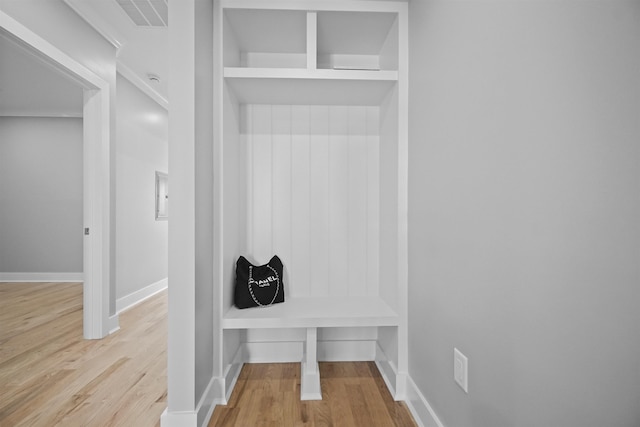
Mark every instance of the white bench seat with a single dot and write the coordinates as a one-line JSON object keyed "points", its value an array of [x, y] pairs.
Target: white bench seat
{"points": [[323, 312]]}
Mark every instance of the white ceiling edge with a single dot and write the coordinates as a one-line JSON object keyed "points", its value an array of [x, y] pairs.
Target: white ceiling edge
{"points": [[142, 84], [101, 25]]}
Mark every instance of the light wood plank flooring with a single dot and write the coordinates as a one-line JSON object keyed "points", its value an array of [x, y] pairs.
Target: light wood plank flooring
{"points": [[51, 376], [353, 394]]}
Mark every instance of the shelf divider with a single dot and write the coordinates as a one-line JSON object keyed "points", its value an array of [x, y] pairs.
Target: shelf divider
{"points": [[312, 40]]}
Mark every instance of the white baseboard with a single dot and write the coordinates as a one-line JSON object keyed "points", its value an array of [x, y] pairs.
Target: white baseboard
{"points": [[178, 419], [41, 277], [272, 352], [419, 407], [140, 295], [353, 351], [113, 324], [388, 373], [232, 372], [199, 417], [293, 351], [212, 396]]}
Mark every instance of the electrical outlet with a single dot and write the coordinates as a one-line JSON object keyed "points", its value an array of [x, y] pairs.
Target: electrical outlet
{"points": [[461, 370]]}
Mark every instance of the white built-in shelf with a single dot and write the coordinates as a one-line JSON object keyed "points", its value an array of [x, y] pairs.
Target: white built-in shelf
{"points": [[306, 74], [314, 312], [365, 38], [310, 57], [309, 86], [311, 132], [266, 31]]}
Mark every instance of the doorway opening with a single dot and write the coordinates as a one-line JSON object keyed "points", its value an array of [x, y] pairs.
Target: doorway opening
{"points": [[96, 145]]}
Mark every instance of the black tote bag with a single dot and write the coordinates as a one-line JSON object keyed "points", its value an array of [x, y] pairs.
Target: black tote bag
{"points": [[258, 285]]}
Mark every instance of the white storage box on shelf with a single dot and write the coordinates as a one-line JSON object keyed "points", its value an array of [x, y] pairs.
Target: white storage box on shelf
{"points": [[311, 164]]}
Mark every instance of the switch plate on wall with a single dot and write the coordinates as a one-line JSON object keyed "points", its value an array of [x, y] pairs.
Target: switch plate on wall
{"points": [[461, 369]]}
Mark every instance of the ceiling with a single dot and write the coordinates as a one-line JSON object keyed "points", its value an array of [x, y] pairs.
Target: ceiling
{"points": [[31, 87]]}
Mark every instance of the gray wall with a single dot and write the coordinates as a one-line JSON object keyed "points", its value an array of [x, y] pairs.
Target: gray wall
{"points": [[40, 195], [142, 149], [524, 205]]}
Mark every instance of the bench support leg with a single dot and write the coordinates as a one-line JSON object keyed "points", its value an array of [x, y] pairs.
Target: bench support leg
{"points": [[310, 372]]}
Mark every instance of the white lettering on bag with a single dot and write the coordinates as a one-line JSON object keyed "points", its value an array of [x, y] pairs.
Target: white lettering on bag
{"points": [[265, 282]]}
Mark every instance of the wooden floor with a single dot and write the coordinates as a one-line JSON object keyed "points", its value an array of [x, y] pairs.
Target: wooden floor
{"points": [[50, 375], [353, 394]]}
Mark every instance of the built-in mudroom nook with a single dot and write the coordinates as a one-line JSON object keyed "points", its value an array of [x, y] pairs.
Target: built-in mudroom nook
{"points": [[310, 164]]}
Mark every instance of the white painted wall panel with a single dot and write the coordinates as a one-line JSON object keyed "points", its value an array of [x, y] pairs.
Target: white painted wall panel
{"points": [[260, 144], [314, 195], [357, 188], [281, 184], [300, 265], [373, 200], [319, 209], [389, 200], [339, 210]]}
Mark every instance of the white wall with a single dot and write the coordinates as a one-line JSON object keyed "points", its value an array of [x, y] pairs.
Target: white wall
{"points": [[142, 149], [190, 352], [41, 195], [524, 207]]}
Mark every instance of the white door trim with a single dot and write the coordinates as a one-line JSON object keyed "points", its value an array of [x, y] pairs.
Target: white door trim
{"points": [[96, 164]]}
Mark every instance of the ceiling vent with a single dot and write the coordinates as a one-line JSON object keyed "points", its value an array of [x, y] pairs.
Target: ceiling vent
{"points": [[146, 13]]}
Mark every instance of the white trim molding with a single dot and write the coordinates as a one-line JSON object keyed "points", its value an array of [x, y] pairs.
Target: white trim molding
{"points": [[142, 84], [422, 412], [231, 374], [100, 24], [178, 419], [41, 277], [113, 323], [140, 295], [293, 351], [212, 396]]}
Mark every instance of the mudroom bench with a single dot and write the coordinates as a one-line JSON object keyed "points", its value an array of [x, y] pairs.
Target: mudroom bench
{"points": [[311, 314]]}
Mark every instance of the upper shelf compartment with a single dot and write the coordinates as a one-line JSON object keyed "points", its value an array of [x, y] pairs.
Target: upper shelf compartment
{"points": [[263, 38], [357, 40], [315, 57]]}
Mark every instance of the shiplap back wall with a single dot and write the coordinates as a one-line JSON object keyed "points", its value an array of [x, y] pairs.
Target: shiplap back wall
{"points": [[314, 195]]}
